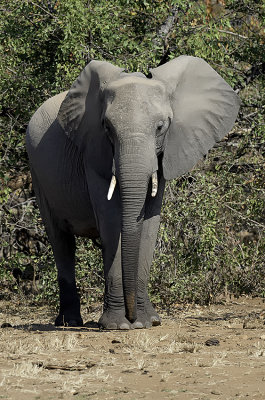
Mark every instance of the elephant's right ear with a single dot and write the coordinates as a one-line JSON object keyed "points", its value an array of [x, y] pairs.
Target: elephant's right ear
{"points": [[80, 112], [204, 110]]}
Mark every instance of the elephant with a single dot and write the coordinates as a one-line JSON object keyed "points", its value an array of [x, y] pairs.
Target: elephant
{"points": [[100, 155]]}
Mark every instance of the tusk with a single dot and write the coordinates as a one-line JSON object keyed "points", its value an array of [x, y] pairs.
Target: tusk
{"points": [[154, 184], [111, 187]]}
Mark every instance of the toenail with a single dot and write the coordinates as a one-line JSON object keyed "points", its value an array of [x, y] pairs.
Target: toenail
{"points": [[138, 325], [124, 326]]}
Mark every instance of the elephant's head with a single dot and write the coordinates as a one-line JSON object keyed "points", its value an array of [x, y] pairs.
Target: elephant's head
{"points": [[177, 116]]}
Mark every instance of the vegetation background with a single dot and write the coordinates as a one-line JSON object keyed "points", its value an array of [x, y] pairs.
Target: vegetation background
{"points": [[211, 240]]}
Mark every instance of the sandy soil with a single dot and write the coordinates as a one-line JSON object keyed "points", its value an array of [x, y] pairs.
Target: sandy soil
{"points": [[215, 352]]}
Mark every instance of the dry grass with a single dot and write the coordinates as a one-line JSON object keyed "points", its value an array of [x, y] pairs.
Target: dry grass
{"points": [[220, 359], [168, 344], [258, 349], [9, 344], [25, 369]]}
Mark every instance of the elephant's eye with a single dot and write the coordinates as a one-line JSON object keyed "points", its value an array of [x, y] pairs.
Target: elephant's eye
{"points": [[161, 128], [160, 125]]}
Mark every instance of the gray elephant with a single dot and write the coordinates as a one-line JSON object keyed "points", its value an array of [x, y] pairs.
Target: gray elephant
{"points": [[100, 154]]}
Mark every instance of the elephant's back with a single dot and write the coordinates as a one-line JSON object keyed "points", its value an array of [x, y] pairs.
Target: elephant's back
{"points": [[43, 118]]}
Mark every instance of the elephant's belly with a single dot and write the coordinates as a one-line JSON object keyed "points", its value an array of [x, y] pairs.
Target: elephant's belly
{"points": [[73, 210]]}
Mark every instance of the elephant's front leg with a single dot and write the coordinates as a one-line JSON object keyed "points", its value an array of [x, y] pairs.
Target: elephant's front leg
{"points": [[147, 316], [113, 316], [108, 216]]}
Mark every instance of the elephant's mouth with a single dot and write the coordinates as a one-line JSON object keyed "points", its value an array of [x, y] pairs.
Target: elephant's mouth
{"points": [[113, 183]]}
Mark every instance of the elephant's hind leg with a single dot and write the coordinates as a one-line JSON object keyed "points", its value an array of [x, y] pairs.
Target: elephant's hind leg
{"points": [[63, 246]]}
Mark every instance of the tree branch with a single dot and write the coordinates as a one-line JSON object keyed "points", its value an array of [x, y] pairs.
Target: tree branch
{"points": [[255, 71], [163, 33], [233, 34]]}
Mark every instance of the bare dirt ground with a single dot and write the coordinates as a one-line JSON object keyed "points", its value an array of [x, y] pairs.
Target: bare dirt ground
{"points": [[215, 352]]}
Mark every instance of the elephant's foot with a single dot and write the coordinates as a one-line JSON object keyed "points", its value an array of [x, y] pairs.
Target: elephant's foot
{"points": [[113, 319], [69, 311], [143, 321], [153, 317], [146, 318], [68, 319]]}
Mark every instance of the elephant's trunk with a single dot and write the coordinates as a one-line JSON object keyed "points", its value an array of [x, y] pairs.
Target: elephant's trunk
{"points": [[135, 170]]}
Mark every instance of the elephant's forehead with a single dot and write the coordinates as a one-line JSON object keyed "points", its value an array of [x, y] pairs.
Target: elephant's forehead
{"points": [[132, 87]]}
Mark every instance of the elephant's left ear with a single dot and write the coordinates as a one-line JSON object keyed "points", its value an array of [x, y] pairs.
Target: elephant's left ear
{"points": [[204, 110], [80, 112]]}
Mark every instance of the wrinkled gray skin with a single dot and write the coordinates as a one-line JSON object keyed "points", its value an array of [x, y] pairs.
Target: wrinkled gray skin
{"points": [[114, 123]]}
